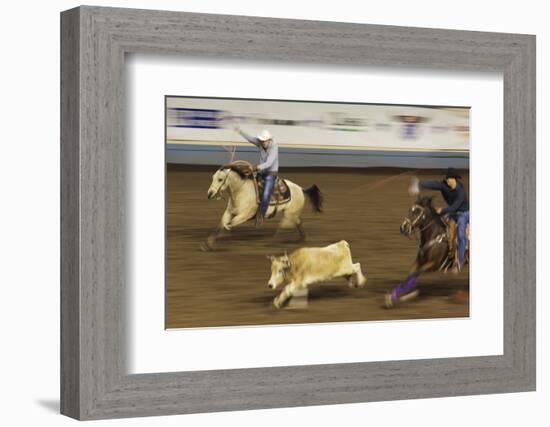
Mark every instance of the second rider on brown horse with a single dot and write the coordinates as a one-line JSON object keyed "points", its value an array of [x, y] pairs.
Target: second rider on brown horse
{"points": [[436, 247], [458, 208]]}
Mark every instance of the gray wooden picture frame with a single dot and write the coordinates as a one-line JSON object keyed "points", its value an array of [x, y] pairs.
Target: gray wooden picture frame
{"points": [[94, 381]]}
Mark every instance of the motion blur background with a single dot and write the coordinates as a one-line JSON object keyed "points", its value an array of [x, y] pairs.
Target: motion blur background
{"points": [[362, 157]]}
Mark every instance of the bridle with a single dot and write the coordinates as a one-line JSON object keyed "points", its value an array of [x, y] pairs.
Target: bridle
{"points": [[229, 167], [219, 192], [413, 223]]}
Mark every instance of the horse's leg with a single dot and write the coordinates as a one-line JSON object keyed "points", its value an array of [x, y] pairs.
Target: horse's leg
{"points": [[211, 239], [284, 224], [424, 267], [301, 230], [297, 215], [238, 219], [288, 222], [409, 285]]}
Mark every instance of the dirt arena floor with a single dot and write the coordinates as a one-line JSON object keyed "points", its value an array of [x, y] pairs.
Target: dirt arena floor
{"points": [[229, 286]]}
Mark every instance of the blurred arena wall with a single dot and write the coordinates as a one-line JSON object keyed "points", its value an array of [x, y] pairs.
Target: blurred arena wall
{"points": [[201, 131]]}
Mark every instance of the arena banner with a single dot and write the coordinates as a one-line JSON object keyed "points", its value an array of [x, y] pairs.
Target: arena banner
{"points": [[319, 133]]}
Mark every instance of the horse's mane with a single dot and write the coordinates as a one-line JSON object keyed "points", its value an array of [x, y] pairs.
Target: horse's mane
{"points": [[243, 169], [426, 202]]}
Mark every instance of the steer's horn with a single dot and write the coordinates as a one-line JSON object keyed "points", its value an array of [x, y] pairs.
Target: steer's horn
{"points": [[286, 260]]}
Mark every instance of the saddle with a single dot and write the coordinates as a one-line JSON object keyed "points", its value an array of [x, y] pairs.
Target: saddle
{"points": [[281, 191], [279, 195]]}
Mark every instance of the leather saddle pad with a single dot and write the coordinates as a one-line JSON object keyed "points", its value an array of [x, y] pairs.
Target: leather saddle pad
{"points": [[280, 194]]}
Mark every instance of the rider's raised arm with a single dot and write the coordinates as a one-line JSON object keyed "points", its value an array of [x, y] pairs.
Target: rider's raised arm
{"points": [[431, 185], [251, 139]]}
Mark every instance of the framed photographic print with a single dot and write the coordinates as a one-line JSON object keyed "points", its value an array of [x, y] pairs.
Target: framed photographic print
{"points": [[348, 211]]}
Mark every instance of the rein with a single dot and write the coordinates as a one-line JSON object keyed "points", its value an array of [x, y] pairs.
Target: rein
{"points": [[426, 226], [221, 193], [240, 163], [251, 174], [412, 224], [436, 240], [231, 166]]}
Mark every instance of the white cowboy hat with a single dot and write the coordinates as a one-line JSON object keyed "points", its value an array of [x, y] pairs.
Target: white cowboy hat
{"points": [[264, 135]]}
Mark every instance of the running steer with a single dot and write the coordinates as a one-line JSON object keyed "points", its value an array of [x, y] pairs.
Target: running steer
{"points": [[306, 266]]}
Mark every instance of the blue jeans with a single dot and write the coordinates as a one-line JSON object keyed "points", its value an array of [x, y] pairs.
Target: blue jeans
{"points": [[269, 182], [462, 220]]}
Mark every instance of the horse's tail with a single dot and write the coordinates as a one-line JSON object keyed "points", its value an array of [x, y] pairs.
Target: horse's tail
{"points": [[315, 196]]}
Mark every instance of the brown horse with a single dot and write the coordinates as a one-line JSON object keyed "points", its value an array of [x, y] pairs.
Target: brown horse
{"points": [[434, 250]]}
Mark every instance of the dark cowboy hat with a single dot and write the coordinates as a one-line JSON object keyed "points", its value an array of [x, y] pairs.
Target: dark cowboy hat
{"points": [[452, 173]]}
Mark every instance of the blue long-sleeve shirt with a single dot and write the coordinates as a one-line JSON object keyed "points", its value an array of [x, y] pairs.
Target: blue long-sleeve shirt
{"points": [[269, 159], [456, 199]]}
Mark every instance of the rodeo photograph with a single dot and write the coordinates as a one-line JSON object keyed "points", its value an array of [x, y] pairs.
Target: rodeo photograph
{"points": [[292, 212]]}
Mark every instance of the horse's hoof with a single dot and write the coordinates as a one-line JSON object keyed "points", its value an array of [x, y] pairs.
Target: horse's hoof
{"points": [[410, 296], [388, 301], [391, 302]]}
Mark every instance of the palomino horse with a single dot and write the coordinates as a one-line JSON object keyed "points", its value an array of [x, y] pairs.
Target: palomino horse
{"points": [[433, 248], [235, 183]]}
